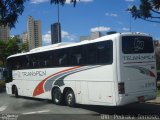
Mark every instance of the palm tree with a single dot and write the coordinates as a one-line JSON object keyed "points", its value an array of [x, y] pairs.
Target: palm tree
{"points": [[148, 10], [10, 10]]}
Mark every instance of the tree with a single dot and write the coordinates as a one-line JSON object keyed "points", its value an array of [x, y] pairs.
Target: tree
{"points": [[10, 10], [148, 10], [10, 47], [157, 51], [3, 52], [23, 47], [62, 2]]}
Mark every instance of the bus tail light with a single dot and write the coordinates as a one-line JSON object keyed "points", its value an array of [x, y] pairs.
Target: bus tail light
{"points": [[121, 88]]}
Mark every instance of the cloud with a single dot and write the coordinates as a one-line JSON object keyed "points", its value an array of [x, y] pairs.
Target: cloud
{"points": [[47, 38], [125, 29], [38, 1], [64, 34], [100, 29], [120, 23], [68, 37], [111, 14]]}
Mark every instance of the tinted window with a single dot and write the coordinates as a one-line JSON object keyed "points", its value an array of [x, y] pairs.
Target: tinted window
{"points": [[61, 57], [91, 53], [40, 60], [105, 52], [77, 56], [137, 44], [16, 62]]}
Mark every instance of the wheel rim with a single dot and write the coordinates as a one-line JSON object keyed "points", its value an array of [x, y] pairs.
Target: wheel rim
{"points": [[69, 98], [57, 97]]}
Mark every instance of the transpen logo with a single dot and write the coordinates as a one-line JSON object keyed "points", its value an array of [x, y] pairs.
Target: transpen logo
{"points": [[138, 44]]}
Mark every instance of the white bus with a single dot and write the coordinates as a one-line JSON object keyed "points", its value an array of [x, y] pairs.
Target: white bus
{"points": [[112, 70]]}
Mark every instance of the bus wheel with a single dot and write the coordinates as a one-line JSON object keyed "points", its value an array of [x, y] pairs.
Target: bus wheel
{"points": [[70, 98], [57, 96], [16, 92]]}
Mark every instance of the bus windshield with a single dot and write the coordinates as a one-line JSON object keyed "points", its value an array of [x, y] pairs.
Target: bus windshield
{"points": [[137, 44]]}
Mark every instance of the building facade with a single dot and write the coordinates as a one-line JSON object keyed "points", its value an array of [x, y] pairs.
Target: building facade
{"points": [[93, 36], [56, 33], [4, 32], [34, 33], [24, 37]]}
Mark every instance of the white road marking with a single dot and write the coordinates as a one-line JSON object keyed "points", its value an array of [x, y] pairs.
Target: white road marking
{"points": [[35, 112], [2, 108]]}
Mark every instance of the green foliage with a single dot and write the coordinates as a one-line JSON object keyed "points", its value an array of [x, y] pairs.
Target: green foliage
{"points": [[3, 52], [23, 47], [62, 2], [147, 10], [10, 10], [11, 47], [158, 93]]}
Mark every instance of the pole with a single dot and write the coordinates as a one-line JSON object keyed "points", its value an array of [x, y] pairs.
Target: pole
{"points": [[58, 12], [58, 23], [130, 23]]}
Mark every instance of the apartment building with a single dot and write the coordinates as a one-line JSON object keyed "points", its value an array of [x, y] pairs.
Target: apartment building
{"points": [[34, 33]]}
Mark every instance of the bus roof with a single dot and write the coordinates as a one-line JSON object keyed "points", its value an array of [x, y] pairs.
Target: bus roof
{"points": [[71, 44]]}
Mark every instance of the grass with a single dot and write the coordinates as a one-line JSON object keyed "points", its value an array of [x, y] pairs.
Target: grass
{"points": [[158, 93]]}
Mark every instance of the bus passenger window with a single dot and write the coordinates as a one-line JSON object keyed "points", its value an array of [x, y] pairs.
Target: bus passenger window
{"points": [[91, 53], [62, 60]]}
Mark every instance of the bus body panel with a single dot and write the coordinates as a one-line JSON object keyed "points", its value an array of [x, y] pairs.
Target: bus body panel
{"points": [[97, 90]]}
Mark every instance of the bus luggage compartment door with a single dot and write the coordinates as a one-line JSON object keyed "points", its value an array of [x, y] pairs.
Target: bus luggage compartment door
{"points": [[100, 92]]}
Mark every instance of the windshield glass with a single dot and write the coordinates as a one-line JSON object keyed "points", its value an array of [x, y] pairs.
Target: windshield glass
{"points": [[137, 44]]}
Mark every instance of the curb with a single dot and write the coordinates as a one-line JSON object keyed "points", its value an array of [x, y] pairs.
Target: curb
{"points": [[155, 101]]}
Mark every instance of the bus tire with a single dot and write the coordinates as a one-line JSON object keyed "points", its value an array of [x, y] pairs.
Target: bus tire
{"points": [[70, 98], [57, 96], [16, 92]]}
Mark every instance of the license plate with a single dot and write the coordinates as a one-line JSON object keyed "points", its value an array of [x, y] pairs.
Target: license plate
{"points": [[141, 99]]}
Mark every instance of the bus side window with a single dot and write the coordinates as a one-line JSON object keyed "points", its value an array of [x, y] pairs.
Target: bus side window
{"points": [[76, 55], [104, 52], [50, 59], [63, 57], [91, 53], [56, 58]]}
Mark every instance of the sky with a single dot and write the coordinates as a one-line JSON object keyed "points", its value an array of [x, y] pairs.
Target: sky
{"points": [[86, 17]]}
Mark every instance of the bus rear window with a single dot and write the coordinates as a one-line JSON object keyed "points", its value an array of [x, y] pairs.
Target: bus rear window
{"points": [[137, 44]]}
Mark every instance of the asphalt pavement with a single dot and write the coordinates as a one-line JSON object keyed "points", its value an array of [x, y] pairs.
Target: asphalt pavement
{"points": [[25, 108]]}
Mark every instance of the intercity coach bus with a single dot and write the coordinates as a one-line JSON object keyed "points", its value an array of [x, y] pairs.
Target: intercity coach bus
{"points": [[112, 70]]}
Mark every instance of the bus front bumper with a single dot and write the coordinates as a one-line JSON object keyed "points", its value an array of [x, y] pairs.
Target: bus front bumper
{"points": [[8, 88]]}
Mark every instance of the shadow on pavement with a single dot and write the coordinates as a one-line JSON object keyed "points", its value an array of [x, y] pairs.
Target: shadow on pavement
{"points": [[2, 90], [135, 109], [131, 109]]}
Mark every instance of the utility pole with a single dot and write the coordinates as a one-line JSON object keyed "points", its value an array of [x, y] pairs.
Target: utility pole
{"points": [[130, 23], [58, 22]]}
